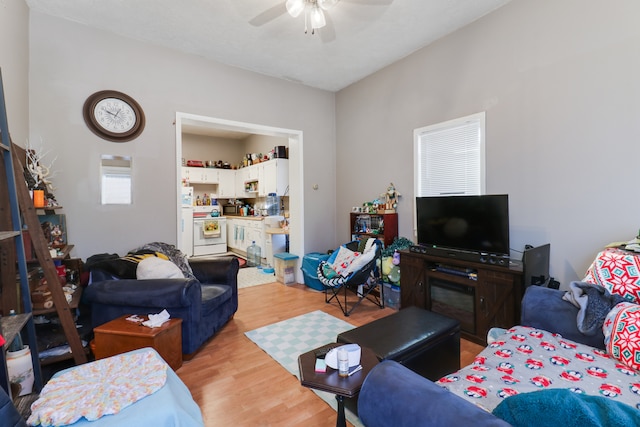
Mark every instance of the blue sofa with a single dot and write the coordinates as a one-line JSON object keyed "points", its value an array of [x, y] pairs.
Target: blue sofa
{"points": [[8, 413], [393, 395], [204, 303]]}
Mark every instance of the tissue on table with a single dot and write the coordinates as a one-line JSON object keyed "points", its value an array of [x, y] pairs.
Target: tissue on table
{"points": [[157, 320]]}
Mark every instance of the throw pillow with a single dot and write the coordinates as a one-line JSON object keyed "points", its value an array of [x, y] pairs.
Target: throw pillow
{"points": [[621, 330], [173, 254], [362, 260], [618, 272], [125, 267], [343, 260], [157, 268], [327, 271]]}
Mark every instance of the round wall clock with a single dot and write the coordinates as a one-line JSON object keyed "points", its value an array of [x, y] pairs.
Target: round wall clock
{"points": [[113, 116]]}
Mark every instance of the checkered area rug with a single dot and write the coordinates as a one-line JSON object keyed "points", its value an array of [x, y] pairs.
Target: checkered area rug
{"points": [[253, 276], [284, 341]]}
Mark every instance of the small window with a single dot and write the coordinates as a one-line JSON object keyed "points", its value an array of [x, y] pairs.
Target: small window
{"points": [[449, 157], [115, 172]]}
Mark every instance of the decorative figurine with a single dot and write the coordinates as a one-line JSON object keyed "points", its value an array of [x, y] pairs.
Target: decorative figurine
{"points": [[391, 198]]}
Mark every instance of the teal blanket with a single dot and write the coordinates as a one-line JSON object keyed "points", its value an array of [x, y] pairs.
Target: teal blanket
{"points": [[562, 407]]}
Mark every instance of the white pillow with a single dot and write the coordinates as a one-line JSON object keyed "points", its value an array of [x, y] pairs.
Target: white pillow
{"points": [[343, 260], [157, 268]]}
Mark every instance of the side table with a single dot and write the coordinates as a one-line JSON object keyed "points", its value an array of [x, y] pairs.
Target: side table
{"points": [[121, 335], [331, 382]]}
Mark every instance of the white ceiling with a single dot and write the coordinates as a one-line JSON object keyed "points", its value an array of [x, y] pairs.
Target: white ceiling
{"points": [[361, 36]]}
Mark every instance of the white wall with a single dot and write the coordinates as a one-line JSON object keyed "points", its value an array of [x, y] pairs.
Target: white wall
{"points": [[14, 63], [78, 61], [559, 83]]}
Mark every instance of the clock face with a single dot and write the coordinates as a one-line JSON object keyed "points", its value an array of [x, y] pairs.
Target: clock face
{"points": [[113, 116]]}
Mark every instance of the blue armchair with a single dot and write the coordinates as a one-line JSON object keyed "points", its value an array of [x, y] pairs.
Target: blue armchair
{"points": [[204, 304]]}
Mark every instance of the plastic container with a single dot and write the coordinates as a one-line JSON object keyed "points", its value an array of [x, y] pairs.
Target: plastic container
{"points": [[20, 369], [343, 362], [392, 296], [273, 204], [285, 264], [254, 255], [309, 269]]}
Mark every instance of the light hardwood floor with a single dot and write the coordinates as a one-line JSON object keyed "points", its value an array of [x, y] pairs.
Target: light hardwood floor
{"points": [[235, 383]]}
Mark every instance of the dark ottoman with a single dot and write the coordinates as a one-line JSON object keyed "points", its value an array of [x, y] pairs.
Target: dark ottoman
{"points": [[425, 342]]}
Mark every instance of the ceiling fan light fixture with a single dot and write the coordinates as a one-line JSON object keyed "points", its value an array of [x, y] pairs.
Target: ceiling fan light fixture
{"points": [[295, 7], [317, 18]]}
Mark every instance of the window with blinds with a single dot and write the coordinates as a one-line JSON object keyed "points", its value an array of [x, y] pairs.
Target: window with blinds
{"points": [[449, 157], [115, 174]]}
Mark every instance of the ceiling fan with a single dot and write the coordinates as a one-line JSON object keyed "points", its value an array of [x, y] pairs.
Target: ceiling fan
{"points": [[313, 12]]}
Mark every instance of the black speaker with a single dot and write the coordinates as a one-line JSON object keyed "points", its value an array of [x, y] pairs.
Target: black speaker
{"points": [[280, 152]]}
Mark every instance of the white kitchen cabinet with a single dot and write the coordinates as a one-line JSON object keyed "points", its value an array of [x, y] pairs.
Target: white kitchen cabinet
{"points": [[235, 234], [226, 184], [257, 234], [242, 232], [259, 180], [250, 181], [230, 232], [200, 175], [274, 177], [239, 183]]}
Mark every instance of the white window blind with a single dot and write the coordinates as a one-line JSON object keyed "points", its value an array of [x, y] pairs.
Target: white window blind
{"points": [[449, 158]]}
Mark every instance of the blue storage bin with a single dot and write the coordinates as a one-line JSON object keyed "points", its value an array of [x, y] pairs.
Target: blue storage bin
{"points": [[309, 269], [391, 296]]}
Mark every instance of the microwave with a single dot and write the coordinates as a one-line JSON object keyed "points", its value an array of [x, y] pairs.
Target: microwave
{"points": [[230, 209]]}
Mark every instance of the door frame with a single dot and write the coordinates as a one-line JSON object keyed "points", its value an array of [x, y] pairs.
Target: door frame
{"points": [[296, 176]]}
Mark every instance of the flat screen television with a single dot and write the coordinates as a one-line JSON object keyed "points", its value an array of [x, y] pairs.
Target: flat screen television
{"points": [[478, 224]]}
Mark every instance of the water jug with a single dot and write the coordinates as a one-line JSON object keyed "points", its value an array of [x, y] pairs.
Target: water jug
{"points": [[16, 344], [253, 255], [273, 204]]}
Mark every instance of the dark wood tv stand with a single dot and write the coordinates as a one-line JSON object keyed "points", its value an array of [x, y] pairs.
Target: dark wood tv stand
{"points": [[479, 295]]}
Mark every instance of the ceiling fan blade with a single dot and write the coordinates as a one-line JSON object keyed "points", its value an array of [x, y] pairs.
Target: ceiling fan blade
{"points": [[328, 32], [327, 4], [268, 15]]}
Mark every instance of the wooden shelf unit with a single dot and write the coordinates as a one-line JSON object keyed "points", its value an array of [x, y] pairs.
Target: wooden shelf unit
{"points": [[16, 209], [383, 226]]}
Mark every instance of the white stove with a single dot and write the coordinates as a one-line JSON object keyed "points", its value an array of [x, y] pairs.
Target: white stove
{"points": [[209, 231]]}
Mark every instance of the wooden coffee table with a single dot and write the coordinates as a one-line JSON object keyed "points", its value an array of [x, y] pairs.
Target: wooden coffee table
{"points": [[330, 381], [120, 335]]}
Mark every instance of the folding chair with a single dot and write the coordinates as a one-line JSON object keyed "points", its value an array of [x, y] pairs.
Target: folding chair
{"points": [[365, 280]]}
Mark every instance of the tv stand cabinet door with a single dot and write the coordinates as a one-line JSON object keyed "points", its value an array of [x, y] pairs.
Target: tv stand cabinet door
{"points": [[414, 280], [495, 301]]}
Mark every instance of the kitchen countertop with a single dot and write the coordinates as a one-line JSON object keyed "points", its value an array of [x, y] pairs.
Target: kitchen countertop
{"points": [[276, 231], [253, 218]]}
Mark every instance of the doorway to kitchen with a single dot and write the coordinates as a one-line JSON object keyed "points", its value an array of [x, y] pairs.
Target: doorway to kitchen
{"points": [[191, 122]]}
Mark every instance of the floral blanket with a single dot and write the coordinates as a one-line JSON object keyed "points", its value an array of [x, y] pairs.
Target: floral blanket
{"points": [[524, 359], [103, 387]]}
